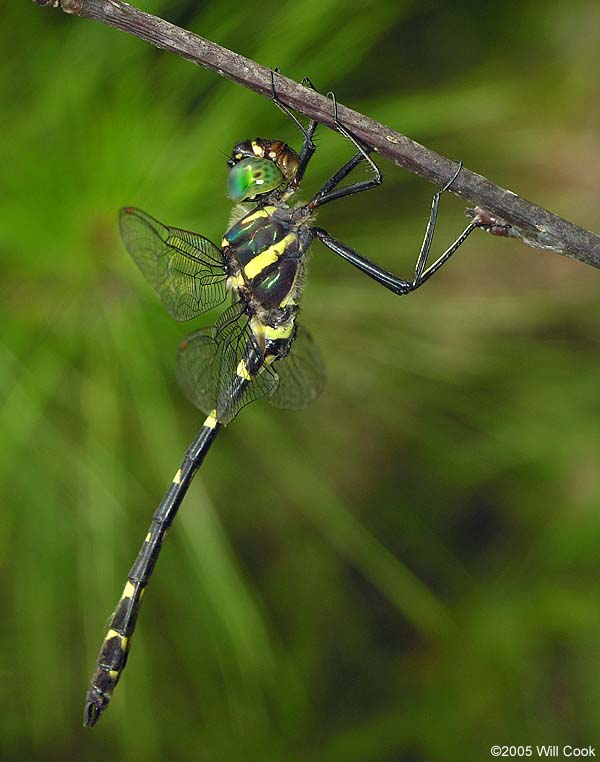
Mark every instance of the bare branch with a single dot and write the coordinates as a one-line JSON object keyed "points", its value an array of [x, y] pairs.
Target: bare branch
{"points": [[536, 226]]}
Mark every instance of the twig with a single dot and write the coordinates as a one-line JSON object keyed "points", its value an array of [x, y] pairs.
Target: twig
{"points": [[536, 226]]}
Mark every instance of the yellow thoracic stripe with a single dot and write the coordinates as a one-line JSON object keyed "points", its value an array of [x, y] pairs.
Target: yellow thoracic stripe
{"points": [[266, 211], [256, 216], [264, 259], [268, 256], [290, 297]]}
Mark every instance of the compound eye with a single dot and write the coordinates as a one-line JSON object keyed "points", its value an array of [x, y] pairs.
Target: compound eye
{"points": [[252, 177]]}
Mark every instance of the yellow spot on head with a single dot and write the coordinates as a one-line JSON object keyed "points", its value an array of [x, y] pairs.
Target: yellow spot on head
{"points": [[257, 150], [242, 371], [129, 590], [238, 156], [272, 154], [177, 477]]}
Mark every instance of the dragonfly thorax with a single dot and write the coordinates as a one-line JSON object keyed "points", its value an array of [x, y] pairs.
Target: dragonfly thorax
{"points": [[265, 254]]}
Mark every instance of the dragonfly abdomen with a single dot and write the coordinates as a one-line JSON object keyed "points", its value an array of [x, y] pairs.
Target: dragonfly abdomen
{"points": [[115, 647]]}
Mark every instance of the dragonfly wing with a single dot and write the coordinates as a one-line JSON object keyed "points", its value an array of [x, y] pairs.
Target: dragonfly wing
{"points": [[195, 365], [185, 269], [220, 368], [301, 374]]}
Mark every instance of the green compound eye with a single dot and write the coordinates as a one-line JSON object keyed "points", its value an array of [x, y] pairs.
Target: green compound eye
{"points": [[251, 177]]}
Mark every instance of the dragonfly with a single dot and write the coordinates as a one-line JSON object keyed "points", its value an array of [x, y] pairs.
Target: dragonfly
{"points": [[256, 348]]}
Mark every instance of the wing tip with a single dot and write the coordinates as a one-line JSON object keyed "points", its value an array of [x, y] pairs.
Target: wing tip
{"points": [[127, 210]]}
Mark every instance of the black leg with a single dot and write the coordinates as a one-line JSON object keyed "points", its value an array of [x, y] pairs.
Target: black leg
{"points": [[327, 192], [422, 274], [385, 278], [430, 229], [308, 147]]}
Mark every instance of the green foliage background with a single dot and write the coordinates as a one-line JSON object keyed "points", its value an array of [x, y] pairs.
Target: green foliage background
{"points": [[408, 570]]}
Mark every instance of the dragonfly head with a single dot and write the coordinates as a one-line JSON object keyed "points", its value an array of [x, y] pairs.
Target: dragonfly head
{"points": [[258, 167]]}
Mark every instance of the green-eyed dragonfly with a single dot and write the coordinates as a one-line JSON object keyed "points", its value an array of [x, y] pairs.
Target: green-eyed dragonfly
{"points": [[256, 348]]}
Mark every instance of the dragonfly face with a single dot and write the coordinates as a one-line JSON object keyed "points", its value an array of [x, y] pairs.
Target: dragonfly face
{"points": [[254, 177], [260, 166]]}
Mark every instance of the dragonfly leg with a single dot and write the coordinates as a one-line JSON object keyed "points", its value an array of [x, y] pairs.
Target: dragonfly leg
{"points": [[308, 146], [422, 273], [329, 192]]}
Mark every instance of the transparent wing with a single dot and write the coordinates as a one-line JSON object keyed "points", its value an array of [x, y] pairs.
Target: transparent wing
{"points": [[213, 365], [195, 368], [185, 269], [301, 374]]}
